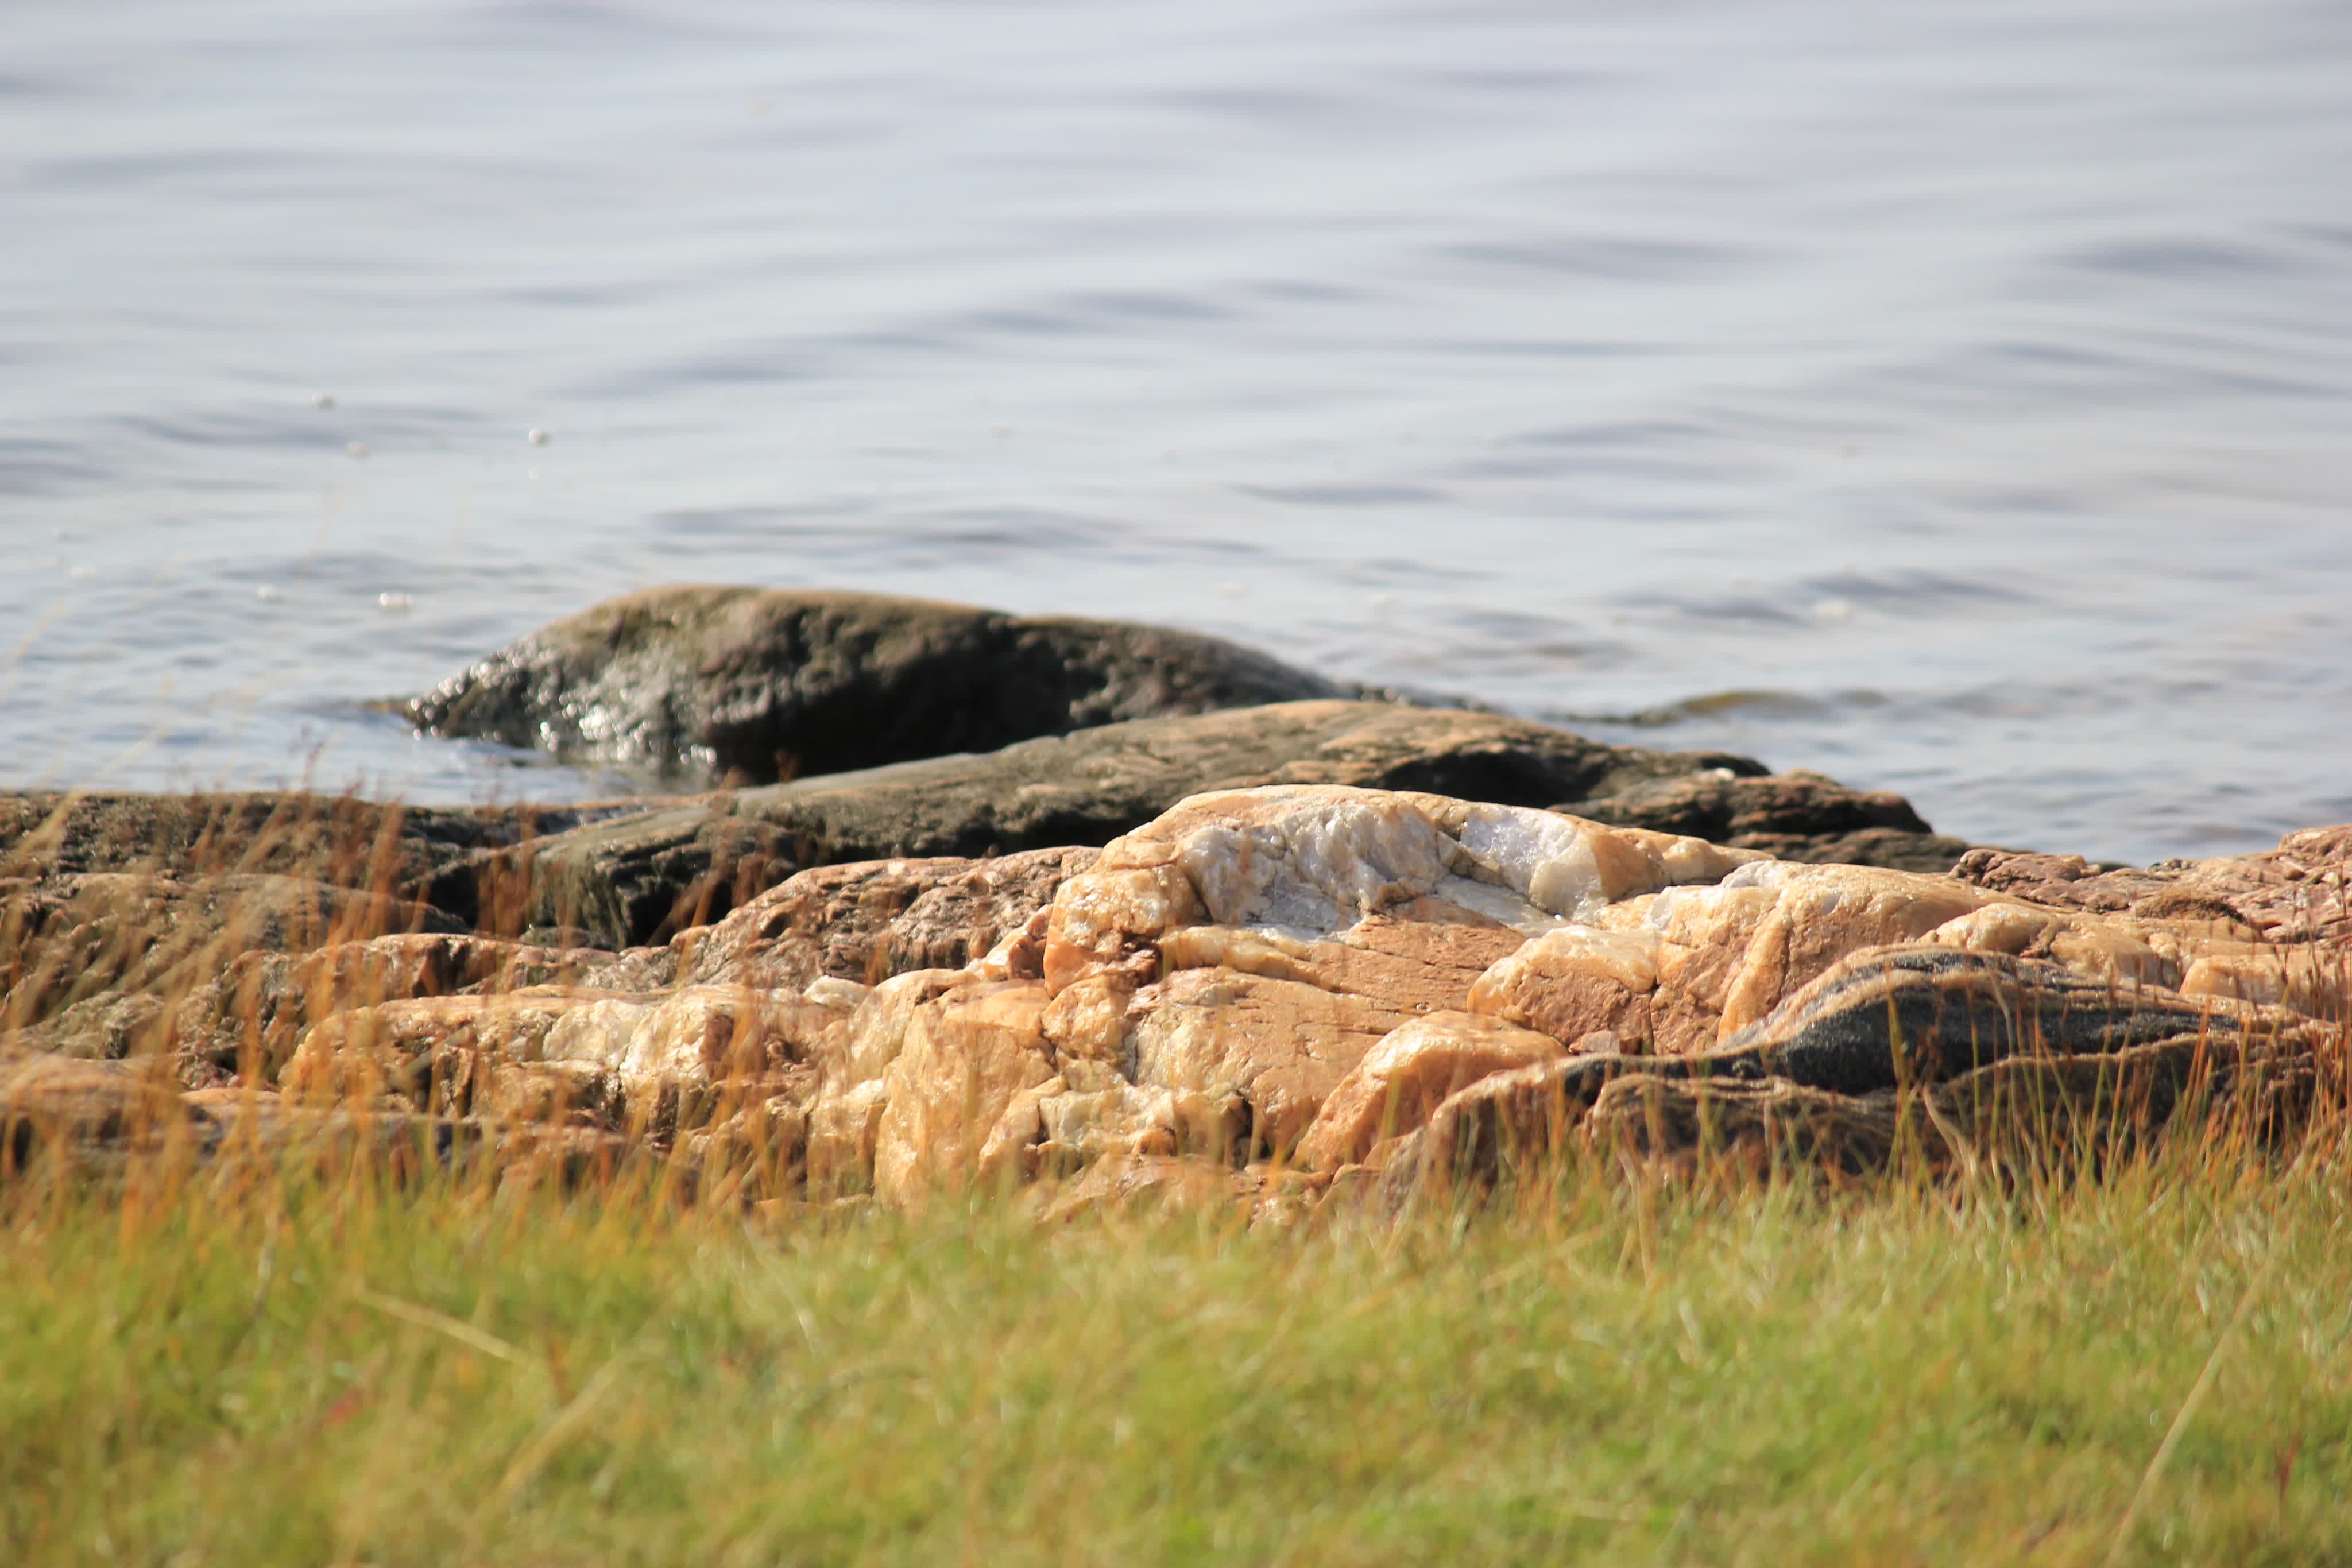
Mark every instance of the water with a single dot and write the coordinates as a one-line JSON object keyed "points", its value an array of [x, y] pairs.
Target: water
{"points": [[1949, 397]]}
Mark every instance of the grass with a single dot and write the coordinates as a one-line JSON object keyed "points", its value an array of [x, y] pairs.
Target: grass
{"points": [[1625, 1366]]}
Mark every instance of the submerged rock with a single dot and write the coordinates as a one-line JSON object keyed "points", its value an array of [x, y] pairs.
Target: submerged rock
{"points": [[765, 684]]}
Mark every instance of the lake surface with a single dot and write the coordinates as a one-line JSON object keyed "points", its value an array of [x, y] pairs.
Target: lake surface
{"points": [[1954, 398]]}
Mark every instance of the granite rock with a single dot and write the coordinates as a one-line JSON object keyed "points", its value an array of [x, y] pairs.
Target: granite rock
{"points": [[1252, 996]]}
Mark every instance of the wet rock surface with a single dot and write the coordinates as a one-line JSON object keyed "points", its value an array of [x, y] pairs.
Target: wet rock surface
{"points": [[768, 684]]}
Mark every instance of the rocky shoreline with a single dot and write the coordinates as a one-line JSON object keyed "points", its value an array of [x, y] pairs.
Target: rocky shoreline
{"points": [[1166, 936]]}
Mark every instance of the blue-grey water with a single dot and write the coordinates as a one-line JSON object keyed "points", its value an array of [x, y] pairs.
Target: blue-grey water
{"points": [[1951, 397]]}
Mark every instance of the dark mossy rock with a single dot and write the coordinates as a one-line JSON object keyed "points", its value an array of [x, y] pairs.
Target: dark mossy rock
{"points": [[1796, 816], [637, 878], [1958, 1058], [618, 873], [766, 684]]}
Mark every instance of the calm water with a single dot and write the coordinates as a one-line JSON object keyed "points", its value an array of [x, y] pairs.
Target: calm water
{"points": [[1965, 386]]}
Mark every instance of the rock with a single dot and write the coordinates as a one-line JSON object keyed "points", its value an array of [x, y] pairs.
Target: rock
{"points": [[47, 1099], [1302, 863], [635, 878], [868, 920], [93, 1119], [1796, 816], [1281, 1046], [621, 874], [1574, 981], [1206, 952], [1401, 1080], [662, 1061], [77, 936], [250, 1018], [1426, 955], [1953, 1056], [115, 910], [967, 1059], [842, 1129], [877, 1029], [1895, 1017], [333, 840], [1089, 1112], [107, 1027], [2186, 935], [1396, 989], [422, 1051], [1648, 1115], [1509, 1122], [1254, 946], [1161, 1183], [2293, 894], [1679, 971], [766, 684]]}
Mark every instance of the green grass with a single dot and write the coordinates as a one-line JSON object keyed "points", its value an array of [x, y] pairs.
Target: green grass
{"points": [[1620, 1369]]}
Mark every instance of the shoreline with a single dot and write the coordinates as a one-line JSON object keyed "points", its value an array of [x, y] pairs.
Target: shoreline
{"points": [[1328, 943]]}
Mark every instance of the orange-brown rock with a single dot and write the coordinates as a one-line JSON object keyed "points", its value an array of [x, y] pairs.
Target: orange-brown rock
{"points": [[1281, 1045], [2293, 894], [1342, 977], [1086, 1117], [422, 1051], [1249, 902], [1408, 1074], [1266, 1194], [875, 1028], [587, 1047], [1503, 1121], [1690, 965], [1822, 914], [967, 1059], [2199, 954], [68, 939], [1795, 816], [252, 1016], [1423, 956], [1109, 919], [842, 1128], [1088, 1019], [1573, 981], [2089, 945], [869, 920]]}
